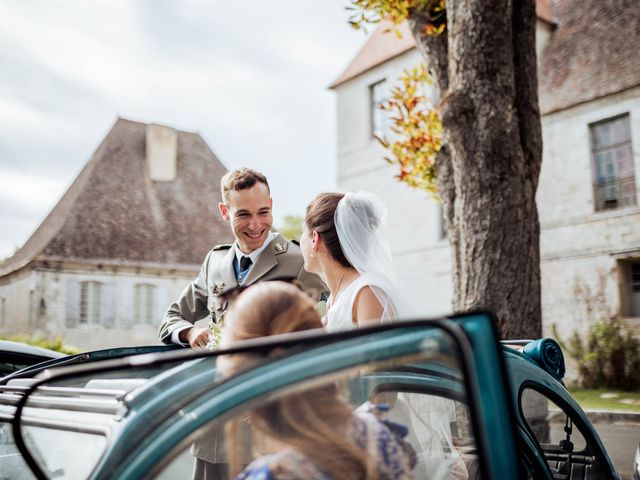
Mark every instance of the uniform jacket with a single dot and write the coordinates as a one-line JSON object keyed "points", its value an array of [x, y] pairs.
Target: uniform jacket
{"points": [[200, 298]]}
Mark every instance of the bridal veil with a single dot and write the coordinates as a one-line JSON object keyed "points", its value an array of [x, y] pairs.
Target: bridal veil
{"points": [[360, 221]]}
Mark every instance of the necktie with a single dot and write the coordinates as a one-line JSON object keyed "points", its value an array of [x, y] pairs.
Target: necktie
{"points": [[245, 263]]}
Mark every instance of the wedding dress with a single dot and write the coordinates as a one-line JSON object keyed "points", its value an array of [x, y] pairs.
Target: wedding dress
{"points": [[340, 312], [360, 219]]}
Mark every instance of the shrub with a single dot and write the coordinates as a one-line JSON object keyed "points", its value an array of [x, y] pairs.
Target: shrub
{"points": [[609, 358]]}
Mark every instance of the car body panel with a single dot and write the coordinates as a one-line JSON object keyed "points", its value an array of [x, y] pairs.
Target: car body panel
{"points": [[525, 374], [183, 393], [15, 356], [57, 359]]}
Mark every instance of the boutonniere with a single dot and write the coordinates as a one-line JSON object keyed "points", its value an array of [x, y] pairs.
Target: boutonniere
{"points": [[218, 288]]}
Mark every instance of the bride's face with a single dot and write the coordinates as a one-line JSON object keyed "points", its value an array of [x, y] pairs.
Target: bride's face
{"points": [[306, 245]]}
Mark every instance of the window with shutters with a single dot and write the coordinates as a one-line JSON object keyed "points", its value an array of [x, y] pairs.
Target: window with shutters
{"points": [[143, 304], [90, 293], [614, 184]]}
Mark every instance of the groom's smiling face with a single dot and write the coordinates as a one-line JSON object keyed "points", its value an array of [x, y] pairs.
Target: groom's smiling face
{"points": [[248, 212]]}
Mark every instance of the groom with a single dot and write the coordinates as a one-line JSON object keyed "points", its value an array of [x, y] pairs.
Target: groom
{"points": [[257, 254]]}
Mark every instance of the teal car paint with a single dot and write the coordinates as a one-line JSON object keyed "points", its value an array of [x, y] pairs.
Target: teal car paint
{"points": [[168, 396]]}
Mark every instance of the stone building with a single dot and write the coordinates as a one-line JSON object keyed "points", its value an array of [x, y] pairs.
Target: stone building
{"points": [[589, 86], [120, 244]]}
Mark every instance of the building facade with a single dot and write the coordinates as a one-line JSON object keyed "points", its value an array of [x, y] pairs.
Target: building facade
{"points": [[121, 244], [589, 88]]}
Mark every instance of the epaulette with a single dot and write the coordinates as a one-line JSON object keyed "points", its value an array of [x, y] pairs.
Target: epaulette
{"points": [[224, 246], [295, 242]]}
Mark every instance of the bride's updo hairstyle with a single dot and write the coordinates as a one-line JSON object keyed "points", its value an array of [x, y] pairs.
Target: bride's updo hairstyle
{"points": [[320, 217], [324, 211]]}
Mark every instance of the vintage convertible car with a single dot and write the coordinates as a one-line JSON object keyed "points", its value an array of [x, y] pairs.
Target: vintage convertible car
{"points": [[16, 356], [474, 408]]}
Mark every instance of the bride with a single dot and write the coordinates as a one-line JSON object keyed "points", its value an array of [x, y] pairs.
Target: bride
{"points": [[343, 242]]}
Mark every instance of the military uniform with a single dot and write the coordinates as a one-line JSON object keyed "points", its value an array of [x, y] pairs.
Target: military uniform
{"points": [[201, 298]]}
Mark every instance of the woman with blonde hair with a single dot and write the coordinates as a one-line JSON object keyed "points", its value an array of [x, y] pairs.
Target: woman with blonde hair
{"points": [[310, 433]]}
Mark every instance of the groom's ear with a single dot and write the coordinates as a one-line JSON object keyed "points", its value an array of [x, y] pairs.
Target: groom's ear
{"points": [[224, 211]]}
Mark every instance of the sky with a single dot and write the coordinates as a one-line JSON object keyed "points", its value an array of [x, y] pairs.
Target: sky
{"points": [[250, 76]]}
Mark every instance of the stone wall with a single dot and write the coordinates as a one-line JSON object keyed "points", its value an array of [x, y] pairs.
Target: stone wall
{"points": [[17, 304], [51, 304], [578, 245]]}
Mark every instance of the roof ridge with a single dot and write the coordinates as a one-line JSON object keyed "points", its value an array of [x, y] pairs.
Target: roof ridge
{"points": [[113, 211]]}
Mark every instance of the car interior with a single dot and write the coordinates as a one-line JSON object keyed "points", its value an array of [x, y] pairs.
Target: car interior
{"points": [[565, 448]]}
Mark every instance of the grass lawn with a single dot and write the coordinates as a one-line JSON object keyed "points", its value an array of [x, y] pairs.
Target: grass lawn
{"points": [[607, 399]]}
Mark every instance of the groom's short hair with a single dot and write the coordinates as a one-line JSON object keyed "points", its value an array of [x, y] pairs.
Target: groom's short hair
{"points": [[241, 179]]}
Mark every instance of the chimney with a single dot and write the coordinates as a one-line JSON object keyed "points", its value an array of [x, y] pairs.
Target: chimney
{"points": [[161, 148]]}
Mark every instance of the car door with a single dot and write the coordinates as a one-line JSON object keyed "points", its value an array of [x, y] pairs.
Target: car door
{"points": [[458, 418]]}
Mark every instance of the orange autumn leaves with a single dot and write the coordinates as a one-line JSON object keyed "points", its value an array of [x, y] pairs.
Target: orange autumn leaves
{"points": [[416, 128], [415, 124]]}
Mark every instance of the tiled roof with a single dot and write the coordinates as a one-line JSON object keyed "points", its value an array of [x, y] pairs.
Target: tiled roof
{"points": [[383, 45], [114, 213], [593, 52]]}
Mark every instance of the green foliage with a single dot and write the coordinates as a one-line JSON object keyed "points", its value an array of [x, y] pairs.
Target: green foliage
{"points": [[57, 344], [292, 227], [609, 358], [417, 128]]}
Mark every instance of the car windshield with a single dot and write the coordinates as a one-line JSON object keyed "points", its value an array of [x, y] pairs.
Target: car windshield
{"points": [[162, 415]]}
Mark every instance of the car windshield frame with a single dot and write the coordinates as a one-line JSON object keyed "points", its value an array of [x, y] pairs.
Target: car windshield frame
{"points": [[454, 326]]}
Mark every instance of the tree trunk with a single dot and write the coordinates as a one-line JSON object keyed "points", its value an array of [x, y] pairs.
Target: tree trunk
{"points": [[485, 67]]}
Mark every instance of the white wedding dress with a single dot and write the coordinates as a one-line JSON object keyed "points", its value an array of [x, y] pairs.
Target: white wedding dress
{"points": [[359, 221], [427, 417], [340, 313]]}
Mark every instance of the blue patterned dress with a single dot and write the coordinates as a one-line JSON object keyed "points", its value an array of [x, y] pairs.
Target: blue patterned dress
{"points": [[382, 440]]}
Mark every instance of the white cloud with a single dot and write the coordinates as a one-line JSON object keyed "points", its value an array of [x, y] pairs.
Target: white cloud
{"points": [[251, 77]]}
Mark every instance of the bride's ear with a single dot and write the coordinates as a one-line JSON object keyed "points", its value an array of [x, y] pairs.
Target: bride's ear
{"points": [[315, 240]]}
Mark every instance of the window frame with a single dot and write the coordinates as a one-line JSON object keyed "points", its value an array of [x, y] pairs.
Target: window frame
{"points": [[597, 187], [626, 284], [144, 299], [593, 444], [89, 308], [375, 112]]}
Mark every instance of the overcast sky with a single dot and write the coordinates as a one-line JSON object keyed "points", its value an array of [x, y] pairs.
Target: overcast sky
{"points": [[250, 76]]}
